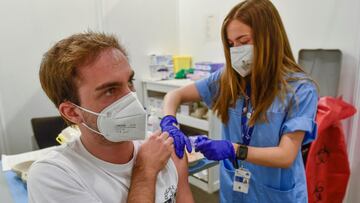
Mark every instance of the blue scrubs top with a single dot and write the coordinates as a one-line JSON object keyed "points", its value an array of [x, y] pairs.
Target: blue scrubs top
{"points": [[268, 184]]}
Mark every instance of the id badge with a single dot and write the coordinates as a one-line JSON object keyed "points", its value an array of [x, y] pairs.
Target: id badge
{"points": [[242, 180]]}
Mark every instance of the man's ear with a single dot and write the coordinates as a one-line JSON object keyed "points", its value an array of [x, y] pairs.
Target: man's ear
{"points": [[70, 112]]}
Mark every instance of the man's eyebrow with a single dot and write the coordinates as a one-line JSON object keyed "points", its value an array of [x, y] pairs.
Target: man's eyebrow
{"points": [[107, 85]]}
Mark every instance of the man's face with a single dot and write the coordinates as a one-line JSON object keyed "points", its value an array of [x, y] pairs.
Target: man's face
{"points": [[102, 82]]}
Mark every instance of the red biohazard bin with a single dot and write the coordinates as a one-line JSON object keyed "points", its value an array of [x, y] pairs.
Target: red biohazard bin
{"points": [[327, 167]]}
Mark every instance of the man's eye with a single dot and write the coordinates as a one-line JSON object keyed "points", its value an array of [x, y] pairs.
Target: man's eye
{"points": [[131, 84], [131, 81], [110, 91]]}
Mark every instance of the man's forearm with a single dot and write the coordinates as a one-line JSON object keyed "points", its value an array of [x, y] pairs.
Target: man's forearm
{"points": [[142, 186], [184, 194]]}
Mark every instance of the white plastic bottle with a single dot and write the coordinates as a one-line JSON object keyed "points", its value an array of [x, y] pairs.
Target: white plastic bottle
{"points": [[153, 121], [193, 138]]}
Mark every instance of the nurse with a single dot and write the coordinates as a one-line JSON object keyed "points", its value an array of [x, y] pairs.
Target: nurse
{"points": [[267, 105]]}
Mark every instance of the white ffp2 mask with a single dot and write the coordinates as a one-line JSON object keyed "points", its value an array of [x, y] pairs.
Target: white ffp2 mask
{"points": [[123, 120], [241, 59]]}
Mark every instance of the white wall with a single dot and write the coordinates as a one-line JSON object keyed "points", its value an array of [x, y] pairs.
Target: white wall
{"points": [[3, 143], [200, 23], [327, 24], [353, 194], [29, 28], [144, 27]]}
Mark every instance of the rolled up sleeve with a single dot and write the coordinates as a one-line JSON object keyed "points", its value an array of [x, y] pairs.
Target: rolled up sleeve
{"points": [[301, 116], [208, 87]]}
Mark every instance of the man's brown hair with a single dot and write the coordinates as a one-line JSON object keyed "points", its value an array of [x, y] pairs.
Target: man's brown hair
{"points": [[58, 69]]}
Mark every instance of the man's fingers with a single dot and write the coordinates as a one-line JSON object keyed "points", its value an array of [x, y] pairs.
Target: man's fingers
{"points": [[156, 133], [164, 135], [169, 140]]}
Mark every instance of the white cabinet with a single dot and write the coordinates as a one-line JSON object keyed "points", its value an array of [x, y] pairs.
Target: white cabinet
{"points": [[207, 179]]}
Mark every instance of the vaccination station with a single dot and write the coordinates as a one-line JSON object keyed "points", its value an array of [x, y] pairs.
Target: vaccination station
{"points": [[186, 101]]}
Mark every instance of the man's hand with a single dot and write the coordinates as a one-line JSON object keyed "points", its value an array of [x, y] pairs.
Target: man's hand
{"points": [[215, 149], [169, 124], [155, 152], [152, 157]]}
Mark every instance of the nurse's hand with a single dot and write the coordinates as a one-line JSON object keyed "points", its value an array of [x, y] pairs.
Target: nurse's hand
{"points": [[215, 149], [169, 124]]}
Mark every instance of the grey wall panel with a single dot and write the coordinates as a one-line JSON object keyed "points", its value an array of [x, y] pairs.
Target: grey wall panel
{"points": [[323, 65]]}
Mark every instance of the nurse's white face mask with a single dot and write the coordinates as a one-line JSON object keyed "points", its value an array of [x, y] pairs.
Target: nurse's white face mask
{"points": [[241, 59], [123, 120]]}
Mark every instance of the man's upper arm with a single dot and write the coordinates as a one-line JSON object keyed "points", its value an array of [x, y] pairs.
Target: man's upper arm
{"points": [[181, 165], [184, 194]]}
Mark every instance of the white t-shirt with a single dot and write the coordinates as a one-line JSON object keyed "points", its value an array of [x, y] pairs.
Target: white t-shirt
{"points": [[71, 174]]}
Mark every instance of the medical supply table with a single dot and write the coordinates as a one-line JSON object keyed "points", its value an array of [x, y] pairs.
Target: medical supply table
{"points": [[201, 165]]}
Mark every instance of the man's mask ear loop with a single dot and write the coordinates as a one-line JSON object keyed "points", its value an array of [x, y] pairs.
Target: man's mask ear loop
{"points": [[84, 124]]}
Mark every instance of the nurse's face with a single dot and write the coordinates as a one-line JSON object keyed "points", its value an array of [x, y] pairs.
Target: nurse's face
{"points": [[238, 34]]}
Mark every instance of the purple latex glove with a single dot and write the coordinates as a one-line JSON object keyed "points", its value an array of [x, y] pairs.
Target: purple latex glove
{"points": [[168, 124], [215, 149]]}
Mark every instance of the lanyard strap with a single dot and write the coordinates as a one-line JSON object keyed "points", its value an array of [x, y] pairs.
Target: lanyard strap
{"points": [[246, 114]]}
